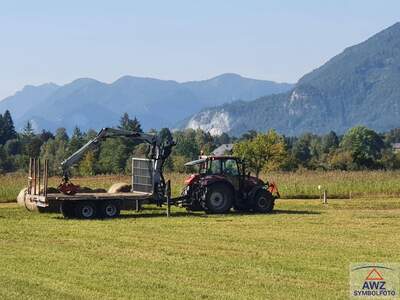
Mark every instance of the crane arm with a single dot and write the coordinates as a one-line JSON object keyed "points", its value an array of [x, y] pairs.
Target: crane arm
{"points": [[101, 136]]}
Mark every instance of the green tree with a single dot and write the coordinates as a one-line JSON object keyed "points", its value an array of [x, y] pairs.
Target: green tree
{"points": [[87, 164], [301, 150], [186, 144], [28, 131], [46, 135], [330, 142], [130, 124], [264, 151], [365, 146], [76, 141], [55, 150], [61, 135], [113, 156], [7, 129]]}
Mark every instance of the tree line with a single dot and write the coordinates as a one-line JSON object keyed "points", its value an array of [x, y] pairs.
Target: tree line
{"points": [[359, 148]]}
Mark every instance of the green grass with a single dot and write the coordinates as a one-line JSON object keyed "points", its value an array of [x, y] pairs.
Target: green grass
{"points": [[302, 251], [298, 185]]}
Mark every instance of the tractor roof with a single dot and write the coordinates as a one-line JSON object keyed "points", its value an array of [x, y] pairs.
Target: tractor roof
{"points": [[204, 158], [195, 162]]}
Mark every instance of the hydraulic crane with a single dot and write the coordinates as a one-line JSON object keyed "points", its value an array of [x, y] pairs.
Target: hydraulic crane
{"points": [[160, 149]]}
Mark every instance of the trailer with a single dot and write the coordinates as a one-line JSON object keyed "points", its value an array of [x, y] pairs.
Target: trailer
{"points": [[147, 184]]}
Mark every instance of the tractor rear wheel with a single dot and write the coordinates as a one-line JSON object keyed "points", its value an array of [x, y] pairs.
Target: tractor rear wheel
{"points": [[219, 199], [264, 202]]}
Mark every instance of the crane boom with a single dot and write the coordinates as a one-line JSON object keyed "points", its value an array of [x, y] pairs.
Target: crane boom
{"points": [[161, 147]]}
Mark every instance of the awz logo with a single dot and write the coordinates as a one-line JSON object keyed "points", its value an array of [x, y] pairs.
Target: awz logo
{"points": [[373, 281]]}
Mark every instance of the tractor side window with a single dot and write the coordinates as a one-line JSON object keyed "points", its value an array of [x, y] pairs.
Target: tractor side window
{"points": [[215, 167], [230, 167]]}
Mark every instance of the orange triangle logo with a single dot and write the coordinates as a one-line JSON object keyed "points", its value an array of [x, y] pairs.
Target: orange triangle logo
{"points": [[374, 275]]}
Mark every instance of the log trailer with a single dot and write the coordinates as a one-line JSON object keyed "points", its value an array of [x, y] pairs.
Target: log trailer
{"points": [[148, 183]]}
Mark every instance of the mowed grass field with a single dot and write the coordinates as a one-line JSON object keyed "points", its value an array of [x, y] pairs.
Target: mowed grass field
{"points": [[301, 251]]}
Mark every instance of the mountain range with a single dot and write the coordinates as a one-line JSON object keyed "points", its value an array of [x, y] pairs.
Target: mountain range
{"points": [[360, 86], [89, 103]]}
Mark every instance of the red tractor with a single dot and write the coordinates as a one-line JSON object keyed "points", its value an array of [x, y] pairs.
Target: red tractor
{"points": [[222, 183]]}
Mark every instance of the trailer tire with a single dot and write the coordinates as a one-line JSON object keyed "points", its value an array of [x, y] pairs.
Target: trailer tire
{"points": [[67, 209], [85, 210], [219, 199], [264, 202], [110, 209]]}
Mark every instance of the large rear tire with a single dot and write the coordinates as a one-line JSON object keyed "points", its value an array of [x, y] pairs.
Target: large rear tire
{"points": [[219, 199], [264, 202]]}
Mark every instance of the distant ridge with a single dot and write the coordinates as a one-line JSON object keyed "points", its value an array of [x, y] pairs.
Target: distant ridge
{"points": [[89, 103]]}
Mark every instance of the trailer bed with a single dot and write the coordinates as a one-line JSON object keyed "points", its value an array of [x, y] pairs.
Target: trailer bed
{"points": [[99, 196], [45, 200]]}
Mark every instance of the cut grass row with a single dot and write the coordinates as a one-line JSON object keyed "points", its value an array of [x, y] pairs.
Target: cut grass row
{"points": [[299, 185], [302, 251]]}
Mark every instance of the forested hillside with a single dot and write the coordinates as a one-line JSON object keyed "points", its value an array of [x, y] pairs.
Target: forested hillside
{"points": [[360, 86]]}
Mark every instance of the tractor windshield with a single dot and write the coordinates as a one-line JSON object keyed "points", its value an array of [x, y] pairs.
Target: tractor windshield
{"points": [[214, 166], [230, 167]]}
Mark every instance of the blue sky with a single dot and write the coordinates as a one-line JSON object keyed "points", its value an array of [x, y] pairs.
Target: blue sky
{"points": [[59, 41]]}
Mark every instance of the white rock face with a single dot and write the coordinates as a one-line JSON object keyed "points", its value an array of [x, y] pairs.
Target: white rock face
{"points": [[297, 96], [214, 122]]}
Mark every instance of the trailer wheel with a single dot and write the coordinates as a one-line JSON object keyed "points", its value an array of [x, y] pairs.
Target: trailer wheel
{"points": [[219, 199], [264, 202], [110, 209], [85, 210], [67, 209]]}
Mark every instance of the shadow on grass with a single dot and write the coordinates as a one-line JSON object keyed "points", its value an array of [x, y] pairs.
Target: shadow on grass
{"points": [[181, 214], [295, 212]]}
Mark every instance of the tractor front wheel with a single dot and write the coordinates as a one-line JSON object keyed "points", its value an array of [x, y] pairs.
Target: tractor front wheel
{"points": [[264, 202], [219, 199]]}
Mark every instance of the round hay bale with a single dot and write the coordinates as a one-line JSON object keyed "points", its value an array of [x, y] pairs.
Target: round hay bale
{"points": [[21, 197], [31, 206], [99, 190], [54, 207], [120, 187]]}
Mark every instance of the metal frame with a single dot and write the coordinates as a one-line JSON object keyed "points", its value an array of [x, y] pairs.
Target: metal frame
{"points": [[151, 174], [38, 180]]}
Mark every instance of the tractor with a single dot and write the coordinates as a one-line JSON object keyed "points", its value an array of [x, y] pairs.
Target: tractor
{"points": [[222, 183]]}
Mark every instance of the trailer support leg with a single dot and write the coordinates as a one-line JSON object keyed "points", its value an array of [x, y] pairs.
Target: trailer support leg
{"points": [[168, 194]]}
